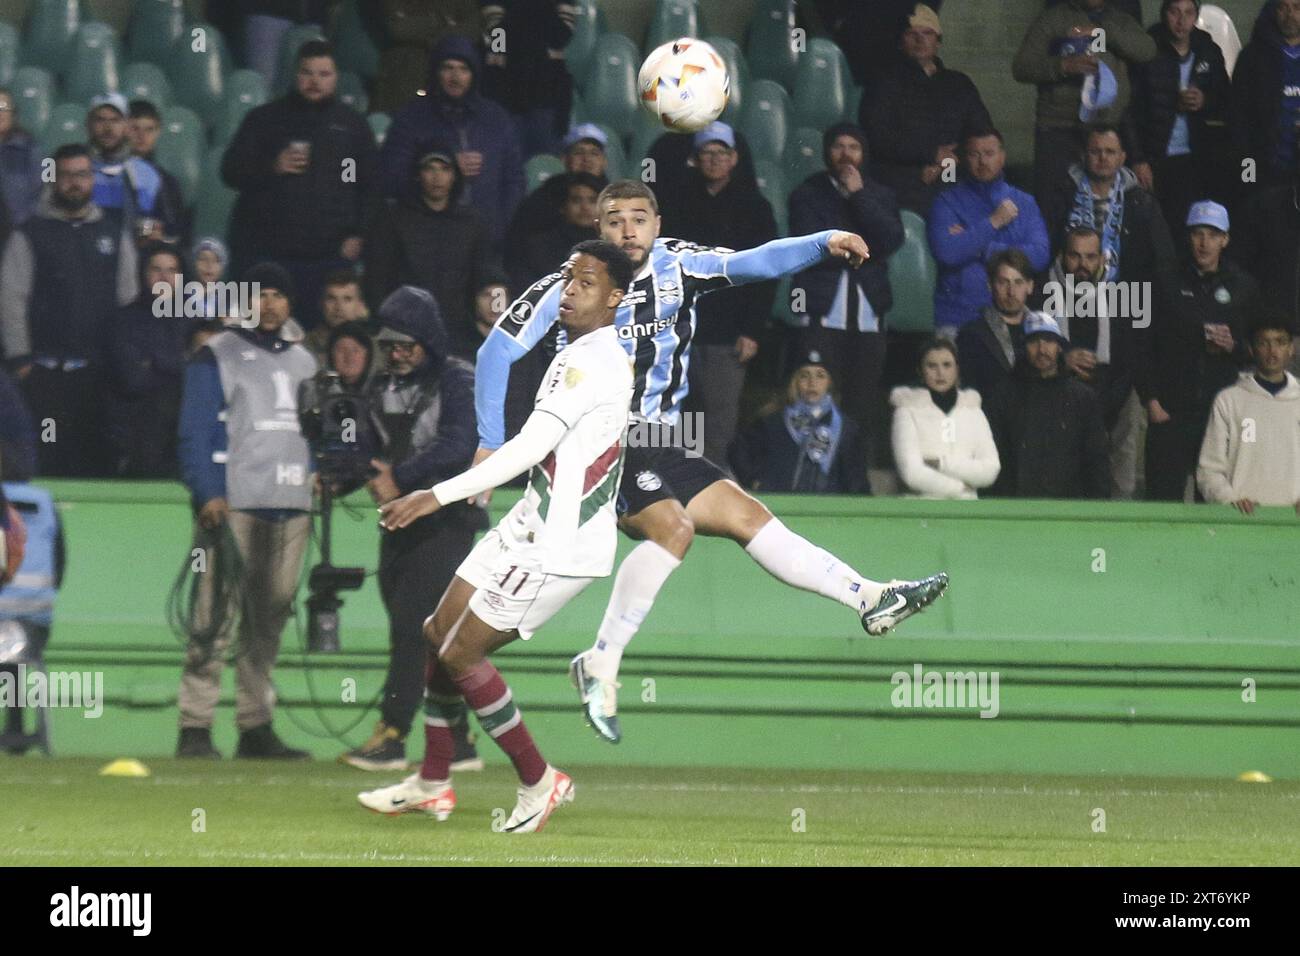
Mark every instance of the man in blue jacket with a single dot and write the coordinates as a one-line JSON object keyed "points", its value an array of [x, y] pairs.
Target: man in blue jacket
{"points": [[483, 133], [972, 221]]}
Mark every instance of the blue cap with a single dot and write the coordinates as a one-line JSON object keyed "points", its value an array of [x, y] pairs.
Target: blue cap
{"points": [[585, 131], [1040, 323], [115, 100], [1207, 213], [1100, 90], [715, 132]]}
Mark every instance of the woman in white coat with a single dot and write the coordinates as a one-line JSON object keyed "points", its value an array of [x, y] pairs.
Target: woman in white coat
{"points": [[943, 447]]}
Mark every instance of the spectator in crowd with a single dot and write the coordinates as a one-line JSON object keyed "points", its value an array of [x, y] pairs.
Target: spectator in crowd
{"points": [[1132, 7], [524, 68], [809, 446], [1047, 425], [341, 303], [990, 347], [543, 252], [208, 259], [1102, 349], [1265, 97], [17, 434], [943, 447], [433, 241], [716, 209], [128, 184], [456, 112], [916, 114], [143, 129], [146, 362], [584, 152], [1081, 77], [350, 352], [249, 478], [1195, 348], [413, 28], [844, 306], [672, 158], [1269, 248], [417, 563], [867, 32], [306, 171], [974, 220], [63, 273], [1104, 194], [1251, 452], [20, 163], [265, 22], [1179, 109]]}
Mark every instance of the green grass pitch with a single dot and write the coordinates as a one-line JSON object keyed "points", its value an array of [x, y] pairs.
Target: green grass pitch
{"points": [[61, 812]]}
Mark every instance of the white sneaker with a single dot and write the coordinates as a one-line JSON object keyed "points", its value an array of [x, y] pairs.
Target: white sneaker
{"points": [[410, 796], [536, 803]]}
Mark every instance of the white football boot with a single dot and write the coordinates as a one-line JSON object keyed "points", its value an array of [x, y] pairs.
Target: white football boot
{"points": [[536, 803], [412, 795]]}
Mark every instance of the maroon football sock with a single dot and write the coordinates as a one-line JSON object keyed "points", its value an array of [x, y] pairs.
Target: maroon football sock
{"points": [[487, 694]]}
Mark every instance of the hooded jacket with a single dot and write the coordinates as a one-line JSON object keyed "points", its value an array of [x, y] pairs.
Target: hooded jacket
{"points": [[959, 439], [1265, 469], [1256, 96], [471, 123], [1155, 99], [962, 240]]}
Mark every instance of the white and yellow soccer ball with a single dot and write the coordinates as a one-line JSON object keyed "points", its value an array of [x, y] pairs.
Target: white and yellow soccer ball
{"points": [[685, 84]]}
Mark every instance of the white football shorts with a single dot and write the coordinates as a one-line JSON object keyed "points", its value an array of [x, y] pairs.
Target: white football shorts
{"points": [[511, 591]]}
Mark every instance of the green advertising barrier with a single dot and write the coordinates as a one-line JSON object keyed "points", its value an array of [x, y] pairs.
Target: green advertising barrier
{"points": [[1095, 637]]}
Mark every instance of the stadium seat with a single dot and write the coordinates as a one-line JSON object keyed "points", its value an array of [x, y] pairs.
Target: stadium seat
{"points": [[588, 25], [115, 13], [94, 63], [67, 124], [648, 129], [356, 48], [198, 77], [672, 19], [822, 83], [781, 305], [615, 155], [769, 48], [51, 25], [912, 277], [146, 81], [33, 87], [10, 50], [1215, 21], [182, 148], [379, 123], [771, 183], [215, 201], [766, 119], [294, 37], [737, 70], [352, 91], [155, 25], [245, 89], [610, 91], [803, 156], [542, 167]]}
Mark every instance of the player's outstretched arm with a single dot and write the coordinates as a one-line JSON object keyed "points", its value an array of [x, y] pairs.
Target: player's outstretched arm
{"points": [[782, 257]]}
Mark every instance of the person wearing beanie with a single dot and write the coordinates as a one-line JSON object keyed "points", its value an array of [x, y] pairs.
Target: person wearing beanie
{"points": [[249, 473], [350, 353], [307, 173], [845, 307]]}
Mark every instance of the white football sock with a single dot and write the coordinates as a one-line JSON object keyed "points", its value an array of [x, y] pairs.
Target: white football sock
{"points": [[801, 564], [636, 585]]}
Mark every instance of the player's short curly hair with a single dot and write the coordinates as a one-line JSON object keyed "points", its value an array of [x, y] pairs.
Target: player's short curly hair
{"points": [[619, 266], [627, 189]]}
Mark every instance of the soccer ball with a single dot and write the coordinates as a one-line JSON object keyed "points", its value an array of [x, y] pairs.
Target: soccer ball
{"points": [[684, 84]]}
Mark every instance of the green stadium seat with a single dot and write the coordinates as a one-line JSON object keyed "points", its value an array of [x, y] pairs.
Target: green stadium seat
{"points": [[146, 81], [771, 183], [33, 88], [155, 25], [610, 91], [245, 89], [770, 47], [672, 19], [781, 303], [51, 25], [822, 84], [352, 91], [542, 167], [648, 130], [215, 201], [115, 13], [198, 77], [615, 155], [182, 148], [912, 277], [67, 124], [766, 119], [94, 64], [379, 123], [294, 37], [803, 156], [588, 25], [356, 48], [10, 50], [738, 70], [855, 102]]}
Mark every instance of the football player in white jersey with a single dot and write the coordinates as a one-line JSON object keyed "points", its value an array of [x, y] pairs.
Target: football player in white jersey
{"points": [[556, 540]]}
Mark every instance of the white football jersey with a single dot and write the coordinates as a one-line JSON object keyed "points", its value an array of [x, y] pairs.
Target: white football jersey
{"points": [[566, 515]]}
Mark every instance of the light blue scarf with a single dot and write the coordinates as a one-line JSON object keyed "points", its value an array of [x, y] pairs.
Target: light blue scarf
{"points": [[1083, 213], [816, 430]]}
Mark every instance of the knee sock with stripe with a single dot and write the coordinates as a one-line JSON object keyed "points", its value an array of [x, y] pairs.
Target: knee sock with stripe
{"points": [[486, 692], [444, 708]]}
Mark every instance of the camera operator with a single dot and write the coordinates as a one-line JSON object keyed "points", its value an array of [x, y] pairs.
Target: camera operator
{"points": [[424, 400]]}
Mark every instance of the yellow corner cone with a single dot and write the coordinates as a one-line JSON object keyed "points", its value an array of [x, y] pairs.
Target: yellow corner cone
{"points": [[125, 767], [1255, 776]]}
